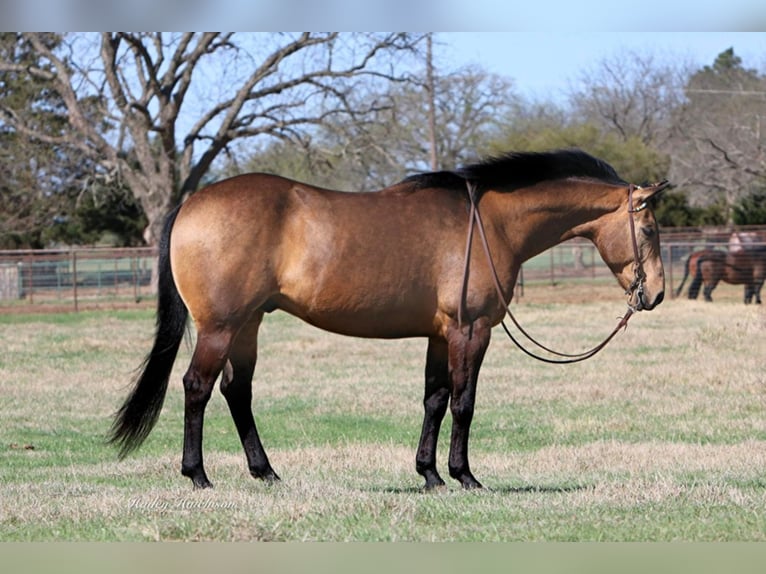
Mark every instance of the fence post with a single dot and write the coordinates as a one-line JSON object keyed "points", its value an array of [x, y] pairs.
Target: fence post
{"points": [[670, 268], [134, 269], [20, 275], [592, 261], [553, 277], [30, 264], [74, 280]]}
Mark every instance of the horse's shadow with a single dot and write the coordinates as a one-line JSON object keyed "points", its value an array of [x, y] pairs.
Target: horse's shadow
{"points": [[502, 489]]}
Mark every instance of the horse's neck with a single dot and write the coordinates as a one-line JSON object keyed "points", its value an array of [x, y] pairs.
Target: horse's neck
{"points": [[533, 222]]}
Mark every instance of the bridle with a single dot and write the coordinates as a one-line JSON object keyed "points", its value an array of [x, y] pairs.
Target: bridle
{"points": [[639, 275], [635, 287]]}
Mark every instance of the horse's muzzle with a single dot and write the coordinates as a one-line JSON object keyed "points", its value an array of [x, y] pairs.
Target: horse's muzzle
{"points": [[647, 305]]}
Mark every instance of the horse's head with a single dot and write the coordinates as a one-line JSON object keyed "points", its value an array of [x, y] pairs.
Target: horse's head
{"points": [[629, 242]]}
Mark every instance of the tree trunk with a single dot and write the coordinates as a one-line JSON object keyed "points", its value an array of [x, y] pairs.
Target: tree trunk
{"points": [[431, 89]]}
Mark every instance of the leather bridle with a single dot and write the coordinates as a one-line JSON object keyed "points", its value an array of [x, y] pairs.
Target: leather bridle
{"points": [[636, 286], [639, 276]]}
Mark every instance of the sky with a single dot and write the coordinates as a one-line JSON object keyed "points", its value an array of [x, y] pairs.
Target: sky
{"points": [[541, 45], [542, 64], [562, 17]]}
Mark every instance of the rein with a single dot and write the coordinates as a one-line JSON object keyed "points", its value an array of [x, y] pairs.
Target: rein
{"points": [[636, 285]]}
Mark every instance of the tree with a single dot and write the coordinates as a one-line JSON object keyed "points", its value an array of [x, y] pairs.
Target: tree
{"points": [[395, 141], [673, 210], [130, 107], [35, 179], [751, 209], [632, 158], [109, 214], [632, 95], [720, 139]]}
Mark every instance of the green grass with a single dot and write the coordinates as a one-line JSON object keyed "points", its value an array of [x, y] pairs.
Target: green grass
{"points": [[661, 437]]}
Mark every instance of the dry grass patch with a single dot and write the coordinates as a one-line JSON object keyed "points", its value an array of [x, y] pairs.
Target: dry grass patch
{"points": [[660, 437]]}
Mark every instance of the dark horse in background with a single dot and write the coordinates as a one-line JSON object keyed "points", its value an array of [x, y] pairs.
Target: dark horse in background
{"points": [[743, 267], [386, 264]]}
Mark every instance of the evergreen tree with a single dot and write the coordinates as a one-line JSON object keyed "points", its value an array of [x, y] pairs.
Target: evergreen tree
{"points": [[751, 209]]}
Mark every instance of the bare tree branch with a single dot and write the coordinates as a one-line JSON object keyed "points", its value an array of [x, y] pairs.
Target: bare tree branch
{"points": [[133, 113]]}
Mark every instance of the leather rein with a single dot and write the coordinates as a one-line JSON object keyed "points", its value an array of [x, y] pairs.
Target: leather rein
{"points": [[636, 286]]}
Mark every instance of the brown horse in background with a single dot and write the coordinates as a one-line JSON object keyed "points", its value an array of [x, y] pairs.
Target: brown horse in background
{"points": [[708, 267], [386, 264]]}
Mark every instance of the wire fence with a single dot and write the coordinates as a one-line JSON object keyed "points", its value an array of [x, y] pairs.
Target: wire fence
{"points": [[102, 278], [75, 279], [578, 260]]}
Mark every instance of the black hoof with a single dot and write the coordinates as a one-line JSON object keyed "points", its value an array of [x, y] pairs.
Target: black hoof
{"points": [[434, 485], [471, 484], [198, 478], [467, 480], [433, 480], [267, 475], [201, 482]]}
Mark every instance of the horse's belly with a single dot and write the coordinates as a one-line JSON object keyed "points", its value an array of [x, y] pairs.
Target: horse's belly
{"points": [[371, 315]]}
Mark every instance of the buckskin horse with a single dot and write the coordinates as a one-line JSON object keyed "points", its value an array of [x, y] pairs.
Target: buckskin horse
{"points": [[399, 262], [742, 267]]}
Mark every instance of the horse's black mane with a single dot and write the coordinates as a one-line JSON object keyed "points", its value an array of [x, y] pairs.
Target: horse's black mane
{"points": [[519, 169]]}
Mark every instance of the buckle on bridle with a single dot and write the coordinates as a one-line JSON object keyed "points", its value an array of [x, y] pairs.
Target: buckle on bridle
{"points": [[641, 207], [637, 287]]}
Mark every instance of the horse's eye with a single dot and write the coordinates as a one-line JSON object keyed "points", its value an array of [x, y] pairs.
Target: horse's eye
{"points": [[648, 231]]}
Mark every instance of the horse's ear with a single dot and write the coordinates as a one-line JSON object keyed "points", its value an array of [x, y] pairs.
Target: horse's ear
{"points": [[641, 195], [660, 186]]}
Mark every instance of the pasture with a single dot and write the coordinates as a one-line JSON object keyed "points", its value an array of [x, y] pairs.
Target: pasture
{"points": [[660, 437]]}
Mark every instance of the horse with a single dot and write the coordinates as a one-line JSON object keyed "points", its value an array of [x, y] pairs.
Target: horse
{"points": [[710, 266], [386, 264]]}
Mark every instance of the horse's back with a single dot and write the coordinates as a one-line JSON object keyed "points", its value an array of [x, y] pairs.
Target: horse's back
{"points": [[364, 264]]}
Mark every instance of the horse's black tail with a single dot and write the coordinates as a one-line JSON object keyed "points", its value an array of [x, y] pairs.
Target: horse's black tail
{"points": [[137, 416], [694, 286], [686, 274]]}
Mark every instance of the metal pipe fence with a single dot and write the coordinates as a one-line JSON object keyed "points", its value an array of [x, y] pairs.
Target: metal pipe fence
{"points": [[76, 279], [577, 260]]}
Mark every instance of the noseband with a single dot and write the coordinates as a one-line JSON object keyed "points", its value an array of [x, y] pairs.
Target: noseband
{"points": [[636, 286]]}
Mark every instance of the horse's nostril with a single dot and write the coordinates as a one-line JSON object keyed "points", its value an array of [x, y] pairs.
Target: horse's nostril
{"points": [[659, 298]]}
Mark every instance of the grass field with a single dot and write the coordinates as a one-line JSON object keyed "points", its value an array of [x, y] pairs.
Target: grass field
{"points": [[661, 437]]}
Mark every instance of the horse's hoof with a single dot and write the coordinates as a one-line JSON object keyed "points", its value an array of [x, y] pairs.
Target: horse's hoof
{"points": [[268, 475], [434, 485], [468, 482], [201, 482], [198, 477]]}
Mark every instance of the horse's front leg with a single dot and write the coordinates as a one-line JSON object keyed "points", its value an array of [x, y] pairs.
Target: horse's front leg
{"points": [[757, 292], [467, 347], [749, 291]]}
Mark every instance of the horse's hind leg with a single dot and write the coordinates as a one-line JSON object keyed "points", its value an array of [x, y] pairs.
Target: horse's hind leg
{"points": [[236, 386], [696, 283], [210, 355], [435, 404]]}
